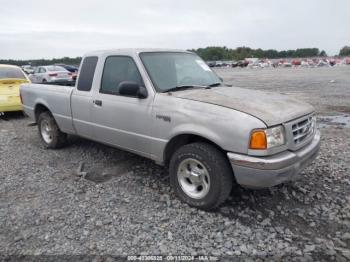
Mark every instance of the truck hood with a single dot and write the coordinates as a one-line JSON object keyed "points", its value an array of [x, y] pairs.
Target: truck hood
{"points": [[272, 108]]}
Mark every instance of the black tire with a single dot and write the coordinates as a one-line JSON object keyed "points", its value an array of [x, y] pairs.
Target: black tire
{"points": [[58, 138], [219, 170]]}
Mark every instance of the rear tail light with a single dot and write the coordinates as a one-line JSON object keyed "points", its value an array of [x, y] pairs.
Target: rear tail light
{"points": [[53, 74]]}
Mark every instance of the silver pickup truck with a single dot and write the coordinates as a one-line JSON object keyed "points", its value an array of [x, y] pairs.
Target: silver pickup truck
{"points": [[169, 106]]}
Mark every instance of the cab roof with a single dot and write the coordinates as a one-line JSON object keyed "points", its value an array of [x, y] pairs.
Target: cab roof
{"points": [[132, 51]]}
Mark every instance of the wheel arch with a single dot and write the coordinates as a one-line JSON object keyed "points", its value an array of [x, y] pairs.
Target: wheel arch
{"points": [[183, 139], [40, 108]]}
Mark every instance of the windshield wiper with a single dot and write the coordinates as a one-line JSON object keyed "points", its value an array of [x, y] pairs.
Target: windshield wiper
{"points": [[215, 84], [218, 84], [184, 87]]}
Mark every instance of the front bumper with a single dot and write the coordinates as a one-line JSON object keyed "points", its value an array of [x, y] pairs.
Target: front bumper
{"points": [[260, 172]]}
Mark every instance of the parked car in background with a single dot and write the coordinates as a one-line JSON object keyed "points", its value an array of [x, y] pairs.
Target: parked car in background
{"points": [[304, 63], [242, 63], [50, 74], [323, 62], [74, 76], [296, 62], [72, 69], [285, 63], [28, 69], [260, 64], [332, 62], [219, 63], [211, 63], [11, 77]]}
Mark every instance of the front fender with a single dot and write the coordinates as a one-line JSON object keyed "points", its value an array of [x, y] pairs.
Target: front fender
{"points": [[227, 128], [198, 130]]}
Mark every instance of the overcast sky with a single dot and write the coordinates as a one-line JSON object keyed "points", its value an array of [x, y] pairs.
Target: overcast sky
{"points": [[47, 29]]}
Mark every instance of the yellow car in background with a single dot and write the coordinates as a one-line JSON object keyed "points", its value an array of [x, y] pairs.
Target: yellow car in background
{"points": [[11, 77]]}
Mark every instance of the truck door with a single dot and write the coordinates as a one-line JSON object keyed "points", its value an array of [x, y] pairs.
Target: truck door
{"points": [[119, 120], [81, 99]]}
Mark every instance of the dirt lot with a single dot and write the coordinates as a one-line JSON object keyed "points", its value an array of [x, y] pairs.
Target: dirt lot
{"points": [[124, 206]]}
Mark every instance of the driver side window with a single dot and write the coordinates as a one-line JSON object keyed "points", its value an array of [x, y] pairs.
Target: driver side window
{"points": [[118, 69]]}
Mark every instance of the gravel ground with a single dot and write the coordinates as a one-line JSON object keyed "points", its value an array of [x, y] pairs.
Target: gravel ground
{"points": [[124, 205]]}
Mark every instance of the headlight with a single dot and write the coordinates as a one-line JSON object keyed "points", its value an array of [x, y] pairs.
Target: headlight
{"points": [[267, 138]]}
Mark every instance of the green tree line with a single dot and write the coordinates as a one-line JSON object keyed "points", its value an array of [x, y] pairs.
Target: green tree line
{"points": [[345, 51], [239, 53], [37, 62], [208, 53]]}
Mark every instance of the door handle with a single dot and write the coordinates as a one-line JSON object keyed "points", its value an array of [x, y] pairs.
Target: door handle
{"points": [[97, 102]]}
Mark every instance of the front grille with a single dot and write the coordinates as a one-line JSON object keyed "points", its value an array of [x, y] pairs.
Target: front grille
{"points": [[303, 129]]}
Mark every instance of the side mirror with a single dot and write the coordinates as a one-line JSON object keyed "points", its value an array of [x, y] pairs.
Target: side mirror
{"points": [[130, 88]]}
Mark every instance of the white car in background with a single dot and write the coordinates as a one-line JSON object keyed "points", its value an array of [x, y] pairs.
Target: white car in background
{"points": [[28, 69], [50, 74]]}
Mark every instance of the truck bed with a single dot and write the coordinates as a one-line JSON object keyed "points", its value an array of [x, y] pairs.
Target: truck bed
{"points": [[54, 97]]}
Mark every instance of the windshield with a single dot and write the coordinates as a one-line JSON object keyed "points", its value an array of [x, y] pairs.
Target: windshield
{"points": [[11, 72], [170, 69]]}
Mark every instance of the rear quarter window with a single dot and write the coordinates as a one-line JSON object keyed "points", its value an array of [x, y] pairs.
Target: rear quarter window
{"points": [[86, 74]]}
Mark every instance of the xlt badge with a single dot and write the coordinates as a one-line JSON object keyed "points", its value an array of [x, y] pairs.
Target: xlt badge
{"points": [[165, 118]]}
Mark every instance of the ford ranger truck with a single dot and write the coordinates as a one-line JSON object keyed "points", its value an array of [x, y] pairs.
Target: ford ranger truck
{"points": [[169, 106]]}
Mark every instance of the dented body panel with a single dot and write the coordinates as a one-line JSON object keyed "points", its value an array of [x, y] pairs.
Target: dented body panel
{"points": [[215, 123], [272, 108]]}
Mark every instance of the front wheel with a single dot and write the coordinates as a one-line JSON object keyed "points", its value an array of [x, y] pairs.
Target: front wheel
{"points": [[49, 131], [201, 175]]}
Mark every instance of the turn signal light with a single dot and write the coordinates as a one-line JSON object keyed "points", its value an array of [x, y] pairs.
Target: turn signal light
{"points": [[258, 140]]}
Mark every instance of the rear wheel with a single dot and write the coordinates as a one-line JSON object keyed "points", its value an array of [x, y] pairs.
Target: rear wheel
{"points": [[49, 132], [201, 175]]}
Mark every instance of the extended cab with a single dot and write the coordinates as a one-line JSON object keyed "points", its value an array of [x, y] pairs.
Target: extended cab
{"points": [[169, 106]]}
